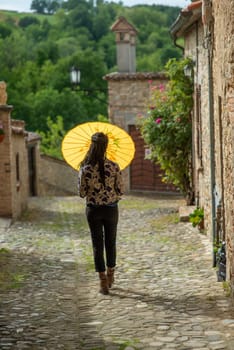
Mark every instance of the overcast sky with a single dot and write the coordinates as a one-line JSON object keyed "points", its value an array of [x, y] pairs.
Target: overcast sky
{"points": [[24, 5]]}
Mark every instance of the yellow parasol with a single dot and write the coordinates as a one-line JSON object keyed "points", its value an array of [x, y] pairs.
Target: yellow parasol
{"points": [[76, 143]]}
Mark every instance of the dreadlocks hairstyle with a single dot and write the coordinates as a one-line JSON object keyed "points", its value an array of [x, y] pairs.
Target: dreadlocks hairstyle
{"points": [[96, 153]]}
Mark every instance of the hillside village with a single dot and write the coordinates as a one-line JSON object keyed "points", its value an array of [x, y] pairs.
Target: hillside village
{"points": [[205, 29], [166, 294]]}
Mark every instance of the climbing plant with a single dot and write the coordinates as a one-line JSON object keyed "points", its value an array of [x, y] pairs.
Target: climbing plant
{"points": [[167, 128]]}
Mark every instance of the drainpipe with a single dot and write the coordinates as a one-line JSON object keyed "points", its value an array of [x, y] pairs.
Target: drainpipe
{"points": [[212, 139], [177, 45]]}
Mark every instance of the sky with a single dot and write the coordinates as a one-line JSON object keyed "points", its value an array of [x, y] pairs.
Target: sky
{"points": [[24, 5]]}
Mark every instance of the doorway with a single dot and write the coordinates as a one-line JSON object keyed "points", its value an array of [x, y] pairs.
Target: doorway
{"points": [[145, 175], [32, 170]]}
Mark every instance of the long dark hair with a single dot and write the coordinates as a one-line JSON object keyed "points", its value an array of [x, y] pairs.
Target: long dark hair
{"points": [[96, 153]]}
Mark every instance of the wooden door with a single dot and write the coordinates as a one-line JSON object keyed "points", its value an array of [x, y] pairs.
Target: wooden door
{"points": [[144, 175]]}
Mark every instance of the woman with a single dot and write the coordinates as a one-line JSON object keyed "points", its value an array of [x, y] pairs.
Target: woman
{"points": [[100, 181]]}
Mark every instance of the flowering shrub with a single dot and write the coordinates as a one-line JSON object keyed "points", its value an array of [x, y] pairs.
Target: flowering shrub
{"points": [[167, 127]]}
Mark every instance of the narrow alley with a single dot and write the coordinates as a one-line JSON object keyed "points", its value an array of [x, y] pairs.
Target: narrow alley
{"points": [[166, 295]]}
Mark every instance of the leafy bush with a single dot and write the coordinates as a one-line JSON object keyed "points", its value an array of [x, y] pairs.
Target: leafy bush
{"points": [[197, 216], [167, 127], [5, 30], [28, 21], [51, 140]]}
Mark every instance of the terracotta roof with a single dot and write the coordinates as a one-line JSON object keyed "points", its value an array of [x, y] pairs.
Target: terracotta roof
{"points": [[194, 5], [18, 130], [122, 25], [17, 127], [186, 18], [33, 136], [135, 76], [6, 107]]}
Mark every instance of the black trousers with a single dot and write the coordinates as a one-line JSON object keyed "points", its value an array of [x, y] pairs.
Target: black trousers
{"points": [[103, 222]]}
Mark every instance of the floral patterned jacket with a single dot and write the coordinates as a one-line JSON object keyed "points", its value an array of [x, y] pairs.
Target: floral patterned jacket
{"points": [[91, 187]]}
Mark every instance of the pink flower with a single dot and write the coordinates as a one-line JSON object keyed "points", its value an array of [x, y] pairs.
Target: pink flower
{"points": [[162, 87], [139, 116], [158, 120], [150, 82]]}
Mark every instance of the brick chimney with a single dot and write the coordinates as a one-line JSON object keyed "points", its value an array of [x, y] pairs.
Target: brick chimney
{"points": [[126, 45]]}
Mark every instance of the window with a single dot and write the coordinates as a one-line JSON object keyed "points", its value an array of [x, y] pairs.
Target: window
{"points": [[17, 168]]}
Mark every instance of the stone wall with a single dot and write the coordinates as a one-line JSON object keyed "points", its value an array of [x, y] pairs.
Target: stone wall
{"points": [[223, 74], [129, 94], [5, 164], [13, 166], [218, 88], [56, 178], [194, 48], [19, 168]]}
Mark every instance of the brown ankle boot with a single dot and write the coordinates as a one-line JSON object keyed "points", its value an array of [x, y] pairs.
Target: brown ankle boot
{"points": [[103, 283], [110, 276]]}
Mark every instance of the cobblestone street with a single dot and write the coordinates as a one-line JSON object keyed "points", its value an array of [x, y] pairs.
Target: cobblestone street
{"points": [[165, 296]]}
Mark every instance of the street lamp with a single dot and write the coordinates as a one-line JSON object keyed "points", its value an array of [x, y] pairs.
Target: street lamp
{"points": [[75, 80], [75, 75]]}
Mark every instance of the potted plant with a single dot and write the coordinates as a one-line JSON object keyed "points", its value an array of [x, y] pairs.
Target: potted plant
{"points": [[2, 133], [197, 218]]}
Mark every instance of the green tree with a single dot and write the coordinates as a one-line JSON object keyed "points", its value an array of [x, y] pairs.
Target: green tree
{"points": [[28, 21], [47, 51], [101, 22], [52, 138], [36, 55], [5, 30], [52, 6], [39, 6], [45, 6], [81, 16], [50, 102]]}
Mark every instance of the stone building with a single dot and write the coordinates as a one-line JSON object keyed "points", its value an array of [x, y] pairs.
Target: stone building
{"points": [[15, 178], [128, 93], [207, 28], [24, 172]]}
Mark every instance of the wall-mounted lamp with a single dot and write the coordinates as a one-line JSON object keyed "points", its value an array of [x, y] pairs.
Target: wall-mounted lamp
{"points": [[189, 69]]}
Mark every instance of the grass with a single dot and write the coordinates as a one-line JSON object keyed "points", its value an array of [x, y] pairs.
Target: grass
{"points": [[12, 275], [65, 216], [150, 202], [227, 288], [137, 203], [14, 16], [161, 223], [87, 254], [126, 343]]}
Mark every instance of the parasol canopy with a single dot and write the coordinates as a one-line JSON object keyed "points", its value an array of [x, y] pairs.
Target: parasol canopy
{"points": [[76, 143]]}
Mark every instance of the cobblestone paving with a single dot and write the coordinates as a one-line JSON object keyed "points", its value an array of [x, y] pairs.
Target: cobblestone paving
{"points": [[165, 295]]}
